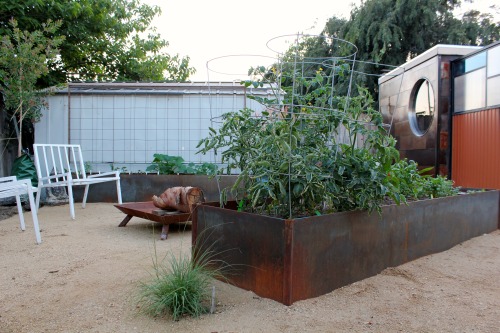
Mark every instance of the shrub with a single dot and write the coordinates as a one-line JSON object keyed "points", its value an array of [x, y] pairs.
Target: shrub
{"points": [[312, 151], [180, 286], [170, 165], [412, 183], [295, 164]]}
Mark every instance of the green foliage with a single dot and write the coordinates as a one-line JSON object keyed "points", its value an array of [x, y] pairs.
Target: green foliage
{"points": [[389, 32], [165, 164], [316, 152], [405, 176], [88, 167], [24, 168], [415, 184], [439, 187], [170, 165], [24, 57], [115, 168], [179, 287], [106, 40], [310, 84], [293, 162], [205, 168]]}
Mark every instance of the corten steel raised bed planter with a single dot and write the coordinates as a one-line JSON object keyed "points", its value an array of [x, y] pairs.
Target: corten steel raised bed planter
{"points": [[289, 260], [141, 187]]}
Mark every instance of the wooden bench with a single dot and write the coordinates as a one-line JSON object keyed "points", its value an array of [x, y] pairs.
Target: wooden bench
{"points": [[146, 210]]}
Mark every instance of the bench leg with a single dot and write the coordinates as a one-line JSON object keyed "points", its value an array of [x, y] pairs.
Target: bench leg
{"points": [[125, 220], [164, 232]]}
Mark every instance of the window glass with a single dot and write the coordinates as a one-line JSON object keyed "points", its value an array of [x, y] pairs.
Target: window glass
{"points": [[423, 109], [475, 62], [470, 91], [492, 91], [458, 68], [494, 61]]}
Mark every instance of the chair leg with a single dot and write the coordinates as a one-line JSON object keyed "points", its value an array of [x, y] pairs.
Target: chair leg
{"points": [[20, 212], [119, 191], [85, 193], [38, 195], [71, 202], [35, 217]]}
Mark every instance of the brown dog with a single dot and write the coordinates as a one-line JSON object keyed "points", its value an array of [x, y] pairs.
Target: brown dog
{"points": [[181, 198]]}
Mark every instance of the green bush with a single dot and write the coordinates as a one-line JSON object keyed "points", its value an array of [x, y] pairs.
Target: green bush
{"points": [[413, 183], [171, 165], [292, 165], [180, 286], [313, 152]]}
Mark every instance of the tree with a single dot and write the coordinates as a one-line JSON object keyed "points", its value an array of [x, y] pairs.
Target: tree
{"points": [[24, 57], [106, 40], [390, 32]]}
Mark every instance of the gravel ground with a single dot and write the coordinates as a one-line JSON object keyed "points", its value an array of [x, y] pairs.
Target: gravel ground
{"points": [[84, 277]]}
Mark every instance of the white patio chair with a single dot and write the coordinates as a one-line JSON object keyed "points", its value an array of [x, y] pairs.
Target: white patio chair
{"points": [[12, 187], [63, 165]]}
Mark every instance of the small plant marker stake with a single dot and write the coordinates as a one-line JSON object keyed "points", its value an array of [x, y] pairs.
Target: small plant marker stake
{"points": [[212, 306]]}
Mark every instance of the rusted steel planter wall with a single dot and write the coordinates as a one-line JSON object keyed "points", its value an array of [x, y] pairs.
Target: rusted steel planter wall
{"points": [[292, 260], [141, 187]]}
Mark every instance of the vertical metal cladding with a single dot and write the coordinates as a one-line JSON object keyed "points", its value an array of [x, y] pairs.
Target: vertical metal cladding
{"points": [[476, 149]]}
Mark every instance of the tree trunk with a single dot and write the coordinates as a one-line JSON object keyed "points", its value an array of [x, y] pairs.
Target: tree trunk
{"points": [[20, 133]]}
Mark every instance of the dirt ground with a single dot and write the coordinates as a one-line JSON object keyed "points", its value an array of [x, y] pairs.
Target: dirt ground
{"points": [[84, 277], [7, 211]]}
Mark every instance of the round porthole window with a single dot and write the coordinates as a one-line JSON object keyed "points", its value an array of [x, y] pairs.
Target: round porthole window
{"points": [[422, 107]]}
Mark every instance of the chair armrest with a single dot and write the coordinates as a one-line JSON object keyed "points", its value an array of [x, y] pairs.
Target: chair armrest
{"points": [[61, 175], [16, 185], [104, 174], [7, 179]]}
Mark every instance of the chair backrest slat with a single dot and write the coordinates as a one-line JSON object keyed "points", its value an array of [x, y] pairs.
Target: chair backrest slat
{"points": [[54, 164], [78, 170], [82, 165], [58, 160], [47, 170]]}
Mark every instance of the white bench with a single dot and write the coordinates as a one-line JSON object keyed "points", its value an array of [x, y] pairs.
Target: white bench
{"points": [[63, 165], [12, 187]]}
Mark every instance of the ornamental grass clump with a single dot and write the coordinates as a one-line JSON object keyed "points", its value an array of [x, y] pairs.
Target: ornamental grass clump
{"points": [[180, 287]]}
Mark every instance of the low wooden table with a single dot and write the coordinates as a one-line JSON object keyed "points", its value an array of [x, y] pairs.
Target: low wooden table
{"points": [[145, 210]]}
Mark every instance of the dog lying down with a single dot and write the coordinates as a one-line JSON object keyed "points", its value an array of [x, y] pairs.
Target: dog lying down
{"points": [[180, 198]]}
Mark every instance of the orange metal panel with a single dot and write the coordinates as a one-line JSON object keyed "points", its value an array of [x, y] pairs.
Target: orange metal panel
{"points": [[476, 149]]}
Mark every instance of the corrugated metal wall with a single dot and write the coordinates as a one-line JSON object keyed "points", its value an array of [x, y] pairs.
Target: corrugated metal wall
{"points": [[476, 149]]}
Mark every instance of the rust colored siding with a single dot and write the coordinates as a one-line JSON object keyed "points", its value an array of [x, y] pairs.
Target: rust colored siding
{"points": [[476, 149]]}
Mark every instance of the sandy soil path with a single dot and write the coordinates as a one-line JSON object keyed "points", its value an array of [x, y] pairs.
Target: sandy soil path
{"points": [[84, 278]]}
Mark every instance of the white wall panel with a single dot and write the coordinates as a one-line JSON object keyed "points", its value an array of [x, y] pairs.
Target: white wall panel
{"points": [[123, 128]]}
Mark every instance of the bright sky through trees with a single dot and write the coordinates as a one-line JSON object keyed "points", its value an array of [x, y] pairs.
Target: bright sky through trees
{"points": [[204, 30]]}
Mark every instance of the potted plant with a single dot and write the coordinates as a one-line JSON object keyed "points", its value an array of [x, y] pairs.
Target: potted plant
{"points": [[316, 173], [165, 171]]}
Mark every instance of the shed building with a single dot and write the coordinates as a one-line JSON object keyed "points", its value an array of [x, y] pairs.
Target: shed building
{"points": [[121, 125], [443, 110]]}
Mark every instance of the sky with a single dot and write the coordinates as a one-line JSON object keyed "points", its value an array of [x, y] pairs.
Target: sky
{"points": [[232, 35], [204, 30]]}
